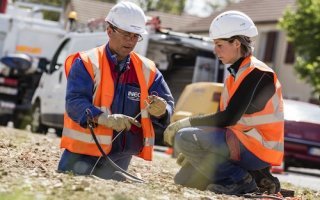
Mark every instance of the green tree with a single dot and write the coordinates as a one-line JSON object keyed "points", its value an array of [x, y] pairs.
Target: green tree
{"points": [[303, 30]]}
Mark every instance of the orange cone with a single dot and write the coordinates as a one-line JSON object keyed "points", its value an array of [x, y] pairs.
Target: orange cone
{"points": [[169, 151]]}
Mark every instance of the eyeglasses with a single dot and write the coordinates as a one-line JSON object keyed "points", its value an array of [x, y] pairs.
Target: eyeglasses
{"points": [[127, 35]]}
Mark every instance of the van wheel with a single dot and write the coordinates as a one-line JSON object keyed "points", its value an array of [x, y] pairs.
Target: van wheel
{"points": [[36, 125]]}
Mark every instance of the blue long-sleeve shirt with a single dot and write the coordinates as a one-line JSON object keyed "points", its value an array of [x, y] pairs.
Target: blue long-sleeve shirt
{"points": [[79, 97]]}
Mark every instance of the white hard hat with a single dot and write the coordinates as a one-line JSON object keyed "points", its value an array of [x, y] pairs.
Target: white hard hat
{"points": [[127, 16], [231, 23]]}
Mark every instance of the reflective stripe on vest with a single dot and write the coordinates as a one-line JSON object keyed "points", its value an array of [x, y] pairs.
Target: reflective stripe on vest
{"points": [[261, 132], [148, 141], [146, 76], [92, 55], [146, 69], [74, 135], [83, 137], [267, 144]]}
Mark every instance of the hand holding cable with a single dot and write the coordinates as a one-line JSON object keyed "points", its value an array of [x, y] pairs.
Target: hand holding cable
{"points": [[158, 107], [121, 122], [117, 122]]}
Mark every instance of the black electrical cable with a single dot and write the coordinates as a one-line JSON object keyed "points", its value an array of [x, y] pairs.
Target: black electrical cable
{"points": [[119, 171]]}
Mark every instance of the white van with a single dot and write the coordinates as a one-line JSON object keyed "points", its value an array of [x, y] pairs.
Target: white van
{"points": [[24, 34], [49, 98]]}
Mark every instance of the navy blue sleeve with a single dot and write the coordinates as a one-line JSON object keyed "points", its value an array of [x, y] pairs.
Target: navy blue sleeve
{"points": [[161, 89], [79, 94]]}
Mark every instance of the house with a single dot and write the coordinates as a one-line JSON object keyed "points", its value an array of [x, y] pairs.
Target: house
{"points": [[271, 45]]}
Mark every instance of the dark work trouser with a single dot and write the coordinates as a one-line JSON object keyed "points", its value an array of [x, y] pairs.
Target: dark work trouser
{"points": [[206, 149]]}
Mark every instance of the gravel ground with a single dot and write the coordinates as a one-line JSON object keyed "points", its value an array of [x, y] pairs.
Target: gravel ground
{"points": [[28, 165]]}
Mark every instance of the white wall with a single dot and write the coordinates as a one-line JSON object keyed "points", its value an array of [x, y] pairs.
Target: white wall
{"points": [[292, 86]]}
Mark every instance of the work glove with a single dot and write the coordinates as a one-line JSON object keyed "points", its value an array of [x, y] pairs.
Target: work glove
{"points": [[181, 160], [117, 122], [157, 106], [173, 128]]}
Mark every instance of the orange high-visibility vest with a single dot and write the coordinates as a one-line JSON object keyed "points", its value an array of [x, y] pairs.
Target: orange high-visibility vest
{"points": [[79, 140], [262, 133]]}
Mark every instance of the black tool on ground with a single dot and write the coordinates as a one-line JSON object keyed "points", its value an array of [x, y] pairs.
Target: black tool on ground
{"points": [[280, 196], [287, 193], [119, 170]]}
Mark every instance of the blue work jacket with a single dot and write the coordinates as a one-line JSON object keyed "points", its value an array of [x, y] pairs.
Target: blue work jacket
{"points": [[126, 100]]}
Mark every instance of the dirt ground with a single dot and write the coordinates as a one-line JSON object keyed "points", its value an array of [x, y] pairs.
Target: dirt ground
{"points": [[28, 165]]}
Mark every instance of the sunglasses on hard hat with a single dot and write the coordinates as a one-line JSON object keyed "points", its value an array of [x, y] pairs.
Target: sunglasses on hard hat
{"points": [[127, 35]]}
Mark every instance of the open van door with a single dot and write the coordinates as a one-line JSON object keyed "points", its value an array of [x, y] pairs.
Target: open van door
{"points": [[52, 91]]}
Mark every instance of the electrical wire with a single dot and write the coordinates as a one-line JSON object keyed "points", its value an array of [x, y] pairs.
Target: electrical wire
{"points": [[121, 171], [118, 169]]}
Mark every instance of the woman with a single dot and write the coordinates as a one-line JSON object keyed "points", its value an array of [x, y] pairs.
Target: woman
{"points": [[224, 150]]}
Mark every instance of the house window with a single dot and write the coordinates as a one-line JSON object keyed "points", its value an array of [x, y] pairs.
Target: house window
{"points": [[269, 52], [290, 57]]}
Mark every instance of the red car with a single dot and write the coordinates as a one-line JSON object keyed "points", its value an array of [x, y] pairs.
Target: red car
{"points": [[302, 134]]}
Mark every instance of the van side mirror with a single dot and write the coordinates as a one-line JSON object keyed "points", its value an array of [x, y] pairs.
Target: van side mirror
{"points": [[19, 62], [43, 64]]}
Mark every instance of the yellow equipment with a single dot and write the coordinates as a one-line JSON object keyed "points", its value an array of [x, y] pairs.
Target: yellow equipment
{"points": [[198, 99]]}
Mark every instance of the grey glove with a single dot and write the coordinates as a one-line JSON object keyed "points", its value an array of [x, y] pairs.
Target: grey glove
{"points": [[157, 107], [173, 128], [181, 160], [117, 122]]}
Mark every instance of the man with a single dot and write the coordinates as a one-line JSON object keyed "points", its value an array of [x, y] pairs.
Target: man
{"points": [[123, 92], [231, 151]]}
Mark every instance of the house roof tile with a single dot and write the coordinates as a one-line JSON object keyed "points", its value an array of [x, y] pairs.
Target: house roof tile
{"points": [[260, 11], [96, 10]]}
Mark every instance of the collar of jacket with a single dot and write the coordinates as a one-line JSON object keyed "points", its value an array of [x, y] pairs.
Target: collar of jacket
{"points": [[121, 66], [233, 69]]}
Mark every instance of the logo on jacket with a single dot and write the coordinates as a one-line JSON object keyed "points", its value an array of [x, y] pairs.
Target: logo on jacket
{"points": [[134, 96]]}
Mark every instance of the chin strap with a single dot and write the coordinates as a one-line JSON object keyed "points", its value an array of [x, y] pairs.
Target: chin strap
{"points": [[119, 170]]}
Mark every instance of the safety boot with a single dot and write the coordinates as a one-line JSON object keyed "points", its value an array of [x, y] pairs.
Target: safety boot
{"points": [[265, 181], [181, 160], [246, 185]]}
